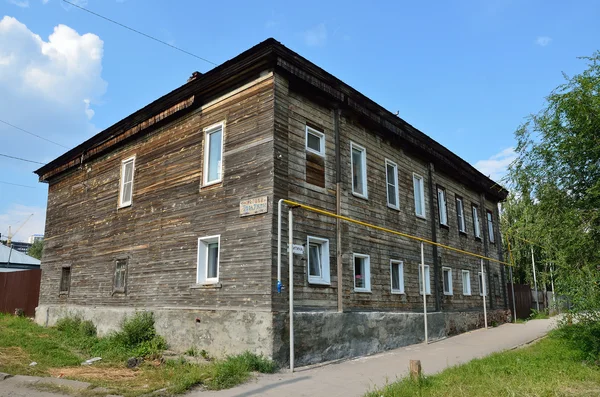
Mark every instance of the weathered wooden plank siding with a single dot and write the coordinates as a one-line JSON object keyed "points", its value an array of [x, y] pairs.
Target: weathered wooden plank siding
{"points": [[171, 210], [293, 111]]}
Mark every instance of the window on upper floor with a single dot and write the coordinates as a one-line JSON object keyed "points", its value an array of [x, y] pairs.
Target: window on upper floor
{"points": [[213, 154], [120, 280], [208, 260], [460, 215], [318, 260], [397, 276], [447, 280], [476, 223], [391, 179], [427, 280], [65, 280], [419, 193], [359, 170], [442, 206], [126, 187], [466, 282], [362, 272], [315, 141], [490, 225]]}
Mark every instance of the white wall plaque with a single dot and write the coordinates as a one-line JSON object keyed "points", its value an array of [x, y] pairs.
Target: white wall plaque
{"points": [[254, 206]]}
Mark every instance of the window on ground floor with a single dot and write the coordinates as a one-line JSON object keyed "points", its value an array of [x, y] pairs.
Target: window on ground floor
{"points": [[447, 280], [427, 284], [397, 276], [208, 260], [482, 284], [120, 281], [65, 280], [362, 272], [466, 282], [318, 260]]}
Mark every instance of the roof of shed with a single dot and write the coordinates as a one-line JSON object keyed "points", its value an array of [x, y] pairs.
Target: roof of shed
{"points": [[269, 54], [16, 257]]}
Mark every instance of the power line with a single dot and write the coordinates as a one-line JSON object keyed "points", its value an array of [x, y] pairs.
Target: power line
{"points": [[16, 184], [21, 159], [31, 133], [141, 33]]}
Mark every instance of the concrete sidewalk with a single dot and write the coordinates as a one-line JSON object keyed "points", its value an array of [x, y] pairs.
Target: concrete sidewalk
{"points": [[355, 377]]}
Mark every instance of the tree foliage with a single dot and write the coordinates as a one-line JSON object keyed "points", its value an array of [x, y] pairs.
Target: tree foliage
{"points": [[556, 189], [36, 249]]}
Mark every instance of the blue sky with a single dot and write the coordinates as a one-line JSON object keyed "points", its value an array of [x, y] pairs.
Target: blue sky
{"points": [[466, 73]]}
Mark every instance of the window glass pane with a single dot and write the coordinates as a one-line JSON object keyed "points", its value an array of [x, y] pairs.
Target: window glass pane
{"points": [[466, 283], [314, 252], [417, 192], [359, 272], [446, 281], [127, 192], [128, 174], [357, 171], [391, 185], [313, 141], [391, 192], [490, 227], [476, 222], [442, 206], [395, 276], [213, 260], [214, 155]]}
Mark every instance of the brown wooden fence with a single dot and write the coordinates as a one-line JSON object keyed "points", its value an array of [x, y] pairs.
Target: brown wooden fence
{"points": [[20, 290], [522, 299]]}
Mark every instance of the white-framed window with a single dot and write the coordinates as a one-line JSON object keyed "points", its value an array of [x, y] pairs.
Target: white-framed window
{"points": [[318, 260], [397, 276], [213, 154], [358, 159], [466, 282], [447, 280], [391, 180], [126, 186], [315, 141], [362, 272], [482, 284], [460, 215], [476, 224], [490, 224], [442, 206], [427, 281], [208, 259], [419, 192]]}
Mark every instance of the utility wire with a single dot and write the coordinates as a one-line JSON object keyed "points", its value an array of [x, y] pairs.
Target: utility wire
{"points": [[20, 159], [140, 33], [31, 133], [16, 184]]}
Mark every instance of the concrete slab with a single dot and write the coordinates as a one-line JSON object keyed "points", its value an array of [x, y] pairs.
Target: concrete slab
{"points": [[355, 377]]}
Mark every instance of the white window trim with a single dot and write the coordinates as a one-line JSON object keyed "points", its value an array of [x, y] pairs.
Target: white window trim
{"points": [[367, 287], [322, 141], [427, 281], [489, 219], [476, 222], [122, 203], [451, 292], [207, 131], [399, 291], [364, 175], [482, 283], [442, 210], [463, 281], [390, 162], [202, 260], [421, 195], [462, 224], [325, 278]]}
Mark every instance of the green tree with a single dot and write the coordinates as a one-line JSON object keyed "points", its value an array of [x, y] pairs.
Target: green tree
{"points": [[36, 249], [556, 188]]}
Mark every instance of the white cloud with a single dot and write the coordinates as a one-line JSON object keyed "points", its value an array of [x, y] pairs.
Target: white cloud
{"points": [[316, 36], [495, 167], [45, 1], [16, 215], [543, 40], [20, 3]]}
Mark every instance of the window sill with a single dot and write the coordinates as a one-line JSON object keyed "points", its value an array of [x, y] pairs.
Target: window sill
{"points": [[209, 184], [466, 294], [461, 233], [124, 206], [397, 292], [361, 196], [65, 294], [206, 286], [448, 294], [395, 208], [313, 151], [443, 226], [362, 290], [319, 282], [477, 238], [421, 217]]}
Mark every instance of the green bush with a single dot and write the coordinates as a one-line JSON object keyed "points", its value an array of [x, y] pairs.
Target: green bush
{"points": [[236, 369], [539, 314], [76, 326], [139, 336], [583, 335]]}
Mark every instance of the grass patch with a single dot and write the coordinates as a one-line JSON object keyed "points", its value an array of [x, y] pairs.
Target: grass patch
{"points": [[60, 350], [550, 367]]}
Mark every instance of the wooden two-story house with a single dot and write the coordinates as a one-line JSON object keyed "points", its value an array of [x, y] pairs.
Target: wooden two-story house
{"points": [[174, 209]]}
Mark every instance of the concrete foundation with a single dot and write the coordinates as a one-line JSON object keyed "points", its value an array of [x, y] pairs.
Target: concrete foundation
{"points": [[220, 333], [319, 336]]}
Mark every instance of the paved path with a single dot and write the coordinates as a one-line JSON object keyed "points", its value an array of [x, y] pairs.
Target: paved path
{"points": [[355, 377]]}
